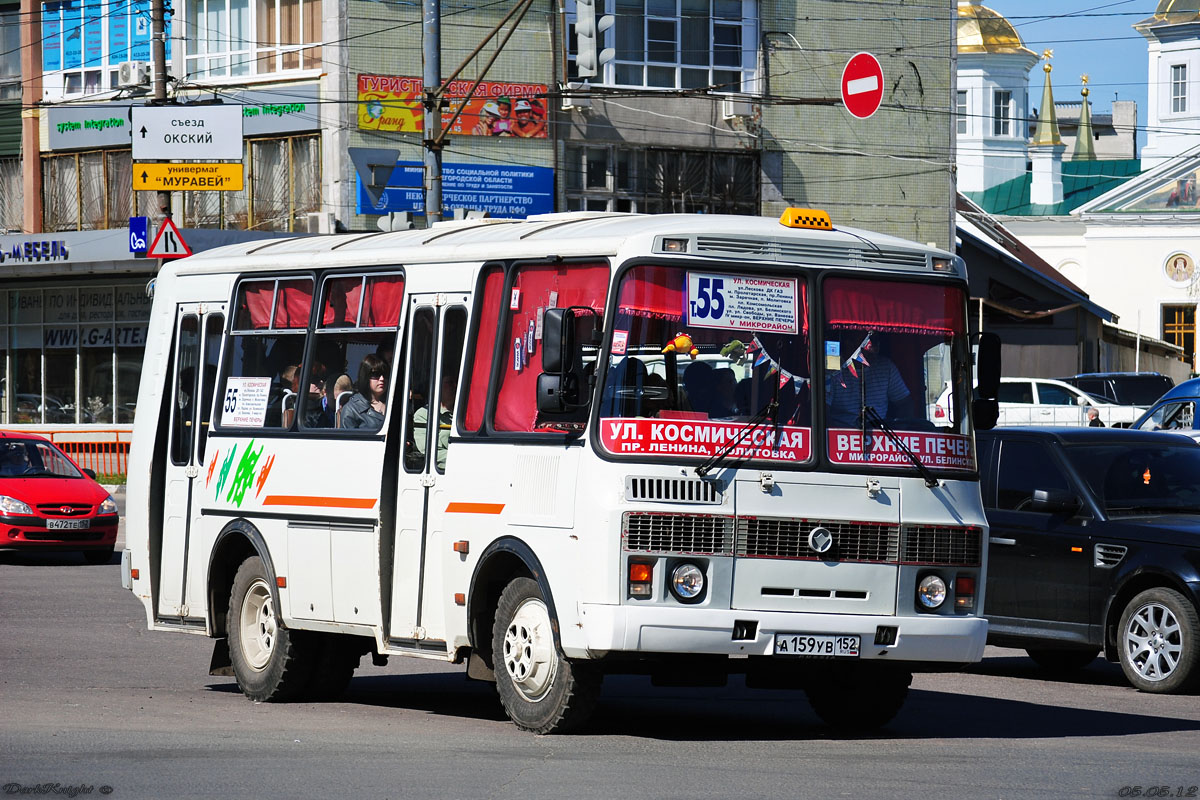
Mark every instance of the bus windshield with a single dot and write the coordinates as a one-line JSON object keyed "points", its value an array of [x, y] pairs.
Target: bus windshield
{"points": [[707, 360]]}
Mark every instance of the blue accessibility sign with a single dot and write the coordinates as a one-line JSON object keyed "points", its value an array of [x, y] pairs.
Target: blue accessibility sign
{"points": [[139, 234]]}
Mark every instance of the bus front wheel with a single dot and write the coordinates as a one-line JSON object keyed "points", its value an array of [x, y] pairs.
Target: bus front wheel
{"points": [[540, 689], [270, 662]]}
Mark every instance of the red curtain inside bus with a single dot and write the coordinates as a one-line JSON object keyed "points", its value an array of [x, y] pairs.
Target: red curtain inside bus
{"points": [[384, 301], [488, 307], [893, 306], [341, 302], [293, 302], [574, 285]]}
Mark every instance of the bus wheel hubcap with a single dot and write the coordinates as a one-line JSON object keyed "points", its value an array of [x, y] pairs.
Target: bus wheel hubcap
{"points": [[529, 655]]}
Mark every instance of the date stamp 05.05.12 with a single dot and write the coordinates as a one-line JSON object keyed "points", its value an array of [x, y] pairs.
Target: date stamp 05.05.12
{"points": [[1159, 791]]}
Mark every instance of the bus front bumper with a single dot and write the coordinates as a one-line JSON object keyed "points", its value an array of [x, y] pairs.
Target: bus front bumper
{"points": [[632, 629]]}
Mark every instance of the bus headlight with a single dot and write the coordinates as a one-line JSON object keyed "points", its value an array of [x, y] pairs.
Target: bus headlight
{"points": [[931, 591], [687, 581]]}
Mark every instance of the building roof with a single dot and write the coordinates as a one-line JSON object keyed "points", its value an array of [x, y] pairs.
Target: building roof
{"points": [[982, 30], [1173, 12], [1082, 181]]}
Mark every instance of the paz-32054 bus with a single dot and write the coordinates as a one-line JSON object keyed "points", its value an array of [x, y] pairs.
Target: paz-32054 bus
{"points": [[685, 446]]}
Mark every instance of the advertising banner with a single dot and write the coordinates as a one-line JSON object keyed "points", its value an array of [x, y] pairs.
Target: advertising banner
{"points": [[944, 450], [391, 103], [506, 191], [672, 438]]}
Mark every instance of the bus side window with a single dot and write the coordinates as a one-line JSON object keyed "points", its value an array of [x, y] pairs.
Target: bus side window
{"points": [[454, 330], [353, 346], [270, 327], [214, 330], [534, 287], [484, 336], [420, 382]]}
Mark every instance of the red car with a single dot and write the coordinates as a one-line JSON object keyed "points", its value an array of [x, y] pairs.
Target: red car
{"points": [[48, 503]]}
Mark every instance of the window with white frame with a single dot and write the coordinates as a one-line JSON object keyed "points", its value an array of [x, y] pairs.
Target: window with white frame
{"points": [[1002, 113], [1179, 88], [235, 38], [960, 110], [680, 44], [84, 42]]}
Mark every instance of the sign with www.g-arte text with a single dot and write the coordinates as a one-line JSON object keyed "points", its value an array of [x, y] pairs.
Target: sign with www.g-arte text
{"points": [[187, 133], [202, 177]]}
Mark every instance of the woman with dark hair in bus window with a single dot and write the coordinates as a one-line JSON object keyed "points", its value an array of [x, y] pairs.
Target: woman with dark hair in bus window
{"points": [[366, 408]]}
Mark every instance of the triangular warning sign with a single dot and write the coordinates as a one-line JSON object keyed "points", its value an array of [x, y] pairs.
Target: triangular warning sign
{"points": [[168, 242]]}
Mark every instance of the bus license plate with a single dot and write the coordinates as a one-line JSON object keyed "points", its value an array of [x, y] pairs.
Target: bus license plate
{"points": [[68, 524], [813, 644]]}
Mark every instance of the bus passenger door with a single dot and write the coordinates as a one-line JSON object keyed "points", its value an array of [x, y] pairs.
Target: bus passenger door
{"points": [[434, 356], [198, 332]]}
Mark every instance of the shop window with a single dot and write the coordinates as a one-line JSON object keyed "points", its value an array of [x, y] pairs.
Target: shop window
{"points": [[283, 186], [536, 288]]}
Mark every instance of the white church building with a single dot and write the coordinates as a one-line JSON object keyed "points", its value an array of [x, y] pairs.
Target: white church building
{"points": [[1125, 232]]}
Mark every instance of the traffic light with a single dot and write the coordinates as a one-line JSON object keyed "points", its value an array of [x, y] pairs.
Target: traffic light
{"points": [[587, 37]]}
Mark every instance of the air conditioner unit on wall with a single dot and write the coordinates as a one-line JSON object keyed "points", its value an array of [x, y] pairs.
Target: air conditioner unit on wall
{"points": [[133, 73], [737, 107]]}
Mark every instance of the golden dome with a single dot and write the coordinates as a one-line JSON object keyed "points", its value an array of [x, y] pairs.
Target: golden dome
{"points": [[1175, 11], [981, 30]]}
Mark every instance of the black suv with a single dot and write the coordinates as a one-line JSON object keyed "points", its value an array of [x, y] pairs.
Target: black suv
{"points": [[1095, 545], [1123, 388]]}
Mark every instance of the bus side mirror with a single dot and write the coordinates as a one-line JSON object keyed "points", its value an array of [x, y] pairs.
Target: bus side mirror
{"points": [[986, 413], [987, 365], [557, 341]]}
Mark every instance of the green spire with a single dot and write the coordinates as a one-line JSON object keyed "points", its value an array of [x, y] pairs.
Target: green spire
{"points": [[1085, 148], [1047, 124]]}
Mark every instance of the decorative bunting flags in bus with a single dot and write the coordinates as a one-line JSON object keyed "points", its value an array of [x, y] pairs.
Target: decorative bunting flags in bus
{"points": [[798, 382]]}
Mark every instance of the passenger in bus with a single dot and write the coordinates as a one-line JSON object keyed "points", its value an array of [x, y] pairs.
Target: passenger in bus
{"points": [[724, 399], [698, 383], [289, 380], [314, 414], [337, 392], [886, 391], [365, 410], [444, 423]]}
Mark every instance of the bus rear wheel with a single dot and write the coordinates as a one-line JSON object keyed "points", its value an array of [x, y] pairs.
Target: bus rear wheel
{"points": [[541, 690], [270, 662], [858, 698]]}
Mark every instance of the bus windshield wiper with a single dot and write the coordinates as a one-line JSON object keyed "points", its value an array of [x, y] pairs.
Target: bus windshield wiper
{"points": [[871, 417], [718, 458]]}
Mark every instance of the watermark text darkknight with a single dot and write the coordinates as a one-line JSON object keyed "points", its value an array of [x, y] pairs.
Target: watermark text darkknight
{"points": [[64, 789]]}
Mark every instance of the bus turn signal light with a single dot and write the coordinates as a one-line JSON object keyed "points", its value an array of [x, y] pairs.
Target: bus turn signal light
{"points": [[640, 577], [964, 592], [462, 547]]}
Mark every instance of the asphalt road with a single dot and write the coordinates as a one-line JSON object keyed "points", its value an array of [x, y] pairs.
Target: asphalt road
{"points": [[91, 700]]}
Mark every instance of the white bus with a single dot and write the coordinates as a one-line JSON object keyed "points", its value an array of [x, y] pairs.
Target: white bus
{"points": [[685, 446]]}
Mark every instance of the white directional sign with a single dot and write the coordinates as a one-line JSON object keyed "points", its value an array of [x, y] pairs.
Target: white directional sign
{"points": [[187, 133]]}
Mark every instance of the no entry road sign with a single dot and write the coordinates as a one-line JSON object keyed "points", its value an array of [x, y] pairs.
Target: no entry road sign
{"points": [[862, 85]]}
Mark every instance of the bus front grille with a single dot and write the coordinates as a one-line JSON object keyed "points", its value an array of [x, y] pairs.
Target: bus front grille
{"points": [[941, 544], [651, 532], [767, 537]]}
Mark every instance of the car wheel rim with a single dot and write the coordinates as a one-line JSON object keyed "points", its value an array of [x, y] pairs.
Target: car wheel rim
{"points": [[258, 625], [1153, 642], [529, 656]]}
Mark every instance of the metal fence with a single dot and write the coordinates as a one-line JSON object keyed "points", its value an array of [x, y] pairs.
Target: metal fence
{"points": [[104, 450]]}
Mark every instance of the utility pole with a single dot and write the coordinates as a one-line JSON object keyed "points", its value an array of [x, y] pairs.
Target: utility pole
{"points": [[431, 77], [31, 99], [158, 56]]}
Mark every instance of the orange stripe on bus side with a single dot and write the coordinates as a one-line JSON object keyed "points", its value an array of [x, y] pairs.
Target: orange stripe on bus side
{"points": [[319, 502], [474, 508]]}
